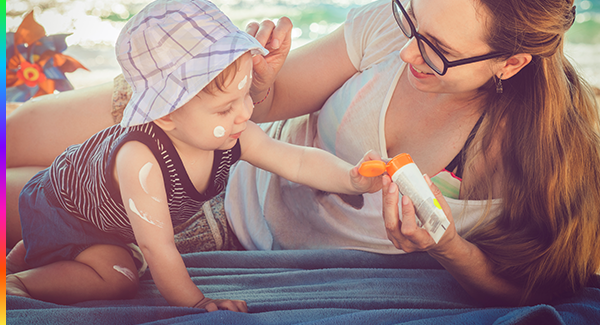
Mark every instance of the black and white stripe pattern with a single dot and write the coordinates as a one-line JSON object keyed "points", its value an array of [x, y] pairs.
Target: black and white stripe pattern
{"points": [[82, 178]]}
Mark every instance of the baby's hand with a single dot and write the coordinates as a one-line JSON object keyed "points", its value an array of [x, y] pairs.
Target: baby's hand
{"points": [[366, 184], [222, 304]]}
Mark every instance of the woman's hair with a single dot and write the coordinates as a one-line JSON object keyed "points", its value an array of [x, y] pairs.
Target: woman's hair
{"points": [[546, 127]]}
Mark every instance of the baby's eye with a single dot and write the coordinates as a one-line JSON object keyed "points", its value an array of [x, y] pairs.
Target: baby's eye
{"points": [[225, 112]]}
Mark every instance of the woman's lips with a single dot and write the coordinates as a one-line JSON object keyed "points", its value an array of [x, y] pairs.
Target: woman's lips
{"points": [[419, 74]]}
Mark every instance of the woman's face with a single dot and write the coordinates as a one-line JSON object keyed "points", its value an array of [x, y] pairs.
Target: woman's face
{"points": [[457, 29]]}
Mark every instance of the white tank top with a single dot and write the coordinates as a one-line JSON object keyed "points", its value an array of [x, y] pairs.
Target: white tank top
{"points": [[268, 212]]}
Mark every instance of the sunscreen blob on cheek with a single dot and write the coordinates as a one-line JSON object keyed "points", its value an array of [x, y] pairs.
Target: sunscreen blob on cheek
{"points": [[219, 131]]}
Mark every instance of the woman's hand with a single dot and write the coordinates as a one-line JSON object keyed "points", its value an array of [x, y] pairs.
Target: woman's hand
{"points": [[278, 40], [405, 234], [222, 304], [467, 263]]}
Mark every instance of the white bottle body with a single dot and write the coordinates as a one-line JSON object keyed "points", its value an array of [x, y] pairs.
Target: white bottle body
{"points": [[411, 183]]}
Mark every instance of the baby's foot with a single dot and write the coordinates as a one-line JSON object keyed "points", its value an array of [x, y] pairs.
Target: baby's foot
{"points": [[14, 287], [15, 260]]}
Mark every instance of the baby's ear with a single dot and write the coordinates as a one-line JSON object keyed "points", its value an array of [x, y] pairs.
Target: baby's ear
{"points": [[166, 123]]}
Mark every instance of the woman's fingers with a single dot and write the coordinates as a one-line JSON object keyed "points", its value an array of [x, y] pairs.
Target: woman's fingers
{"points": [[281, 33], [252, 28], [404, 233], [269, 34], [277, 38], [390, 211], [418, 236], [265, 30]]}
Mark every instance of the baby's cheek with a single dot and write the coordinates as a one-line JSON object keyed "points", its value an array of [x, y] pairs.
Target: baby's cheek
{"points": [[219, 131]]}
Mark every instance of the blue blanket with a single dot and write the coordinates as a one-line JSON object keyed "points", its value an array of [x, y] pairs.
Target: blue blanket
{"points": [[314, 287]]}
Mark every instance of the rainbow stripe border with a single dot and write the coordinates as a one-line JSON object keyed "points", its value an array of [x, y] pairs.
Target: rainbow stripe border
{"points": [[3, 162]]}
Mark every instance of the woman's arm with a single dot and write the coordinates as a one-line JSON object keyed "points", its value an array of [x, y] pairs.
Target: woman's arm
{"points": [[467, 264], [308, 77], [44, 127]]}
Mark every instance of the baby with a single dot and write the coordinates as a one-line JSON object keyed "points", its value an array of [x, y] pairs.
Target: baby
{"points": [[187, 122]]}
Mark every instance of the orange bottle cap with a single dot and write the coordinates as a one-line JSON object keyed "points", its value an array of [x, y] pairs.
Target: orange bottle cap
{"points": [[398, 162], [372, 168]]}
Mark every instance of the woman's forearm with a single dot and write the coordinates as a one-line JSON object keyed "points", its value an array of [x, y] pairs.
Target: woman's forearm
{"points": [[306, 80], [473, 270]]}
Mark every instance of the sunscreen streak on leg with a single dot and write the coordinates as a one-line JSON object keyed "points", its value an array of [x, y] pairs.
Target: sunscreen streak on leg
{"points": [[125, 271], [143, 175], [144, 215]]}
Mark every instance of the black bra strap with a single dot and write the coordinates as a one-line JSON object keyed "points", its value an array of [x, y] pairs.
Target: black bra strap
{"points": [[458, 162]]}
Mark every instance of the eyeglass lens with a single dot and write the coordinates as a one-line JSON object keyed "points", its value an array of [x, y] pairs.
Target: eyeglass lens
{"points": [[430, 56]]}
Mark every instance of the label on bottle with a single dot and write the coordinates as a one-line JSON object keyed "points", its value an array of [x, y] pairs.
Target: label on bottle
{"points": [[429, 211]]}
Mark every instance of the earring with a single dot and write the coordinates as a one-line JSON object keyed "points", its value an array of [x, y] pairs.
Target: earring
{"points": [[499, 88]]}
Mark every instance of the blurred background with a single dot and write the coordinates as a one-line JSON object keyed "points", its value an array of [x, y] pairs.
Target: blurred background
{"points": [[95, 24]]}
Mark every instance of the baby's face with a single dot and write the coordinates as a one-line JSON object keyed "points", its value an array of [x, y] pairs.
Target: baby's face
{"points": [[216, 121]]}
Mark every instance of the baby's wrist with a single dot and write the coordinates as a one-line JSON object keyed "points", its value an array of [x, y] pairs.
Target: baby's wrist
{"points": [[201, 303]]}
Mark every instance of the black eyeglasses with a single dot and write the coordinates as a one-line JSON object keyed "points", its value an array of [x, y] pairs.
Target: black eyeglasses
{"points": [[432, 56]]}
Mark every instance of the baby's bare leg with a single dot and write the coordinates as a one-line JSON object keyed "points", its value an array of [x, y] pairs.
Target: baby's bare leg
{"points": [[15, 260], [100, 272]]}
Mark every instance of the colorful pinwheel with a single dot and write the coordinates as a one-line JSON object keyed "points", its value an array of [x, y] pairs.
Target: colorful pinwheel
{"points": [[35, 64]]}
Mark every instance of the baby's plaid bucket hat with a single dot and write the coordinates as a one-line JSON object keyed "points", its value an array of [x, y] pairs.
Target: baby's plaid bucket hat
{"points": [[171, 50]]}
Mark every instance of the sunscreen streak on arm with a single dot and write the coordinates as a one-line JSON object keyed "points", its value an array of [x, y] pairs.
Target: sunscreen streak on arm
{"points": [[146, 217], [143, 175], [144, 171]]}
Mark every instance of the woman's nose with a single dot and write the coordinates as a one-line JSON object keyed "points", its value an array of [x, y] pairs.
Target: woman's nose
{"points": [[410, 52]]}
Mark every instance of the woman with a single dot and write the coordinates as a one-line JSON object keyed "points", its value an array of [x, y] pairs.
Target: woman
{"points": [[514, 120]]}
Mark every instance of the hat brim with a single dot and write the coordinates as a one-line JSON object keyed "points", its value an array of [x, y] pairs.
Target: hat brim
{"points": [[185, 82]]}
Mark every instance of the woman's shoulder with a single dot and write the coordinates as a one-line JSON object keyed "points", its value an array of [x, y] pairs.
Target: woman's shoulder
{"points": [[375, 7], [371, 33]]}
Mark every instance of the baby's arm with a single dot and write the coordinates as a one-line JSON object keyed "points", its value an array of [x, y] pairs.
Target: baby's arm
{"points": [[144, 196], [305, 165]]}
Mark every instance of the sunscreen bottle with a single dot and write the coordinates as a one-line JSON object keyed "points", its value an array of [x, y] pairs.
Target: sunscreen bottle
{"points": [[405, 173]]}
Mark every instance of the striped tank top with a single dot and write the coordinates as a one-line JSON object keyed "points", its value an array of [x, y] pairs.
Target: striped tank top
{"points": [[81, 178]]}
